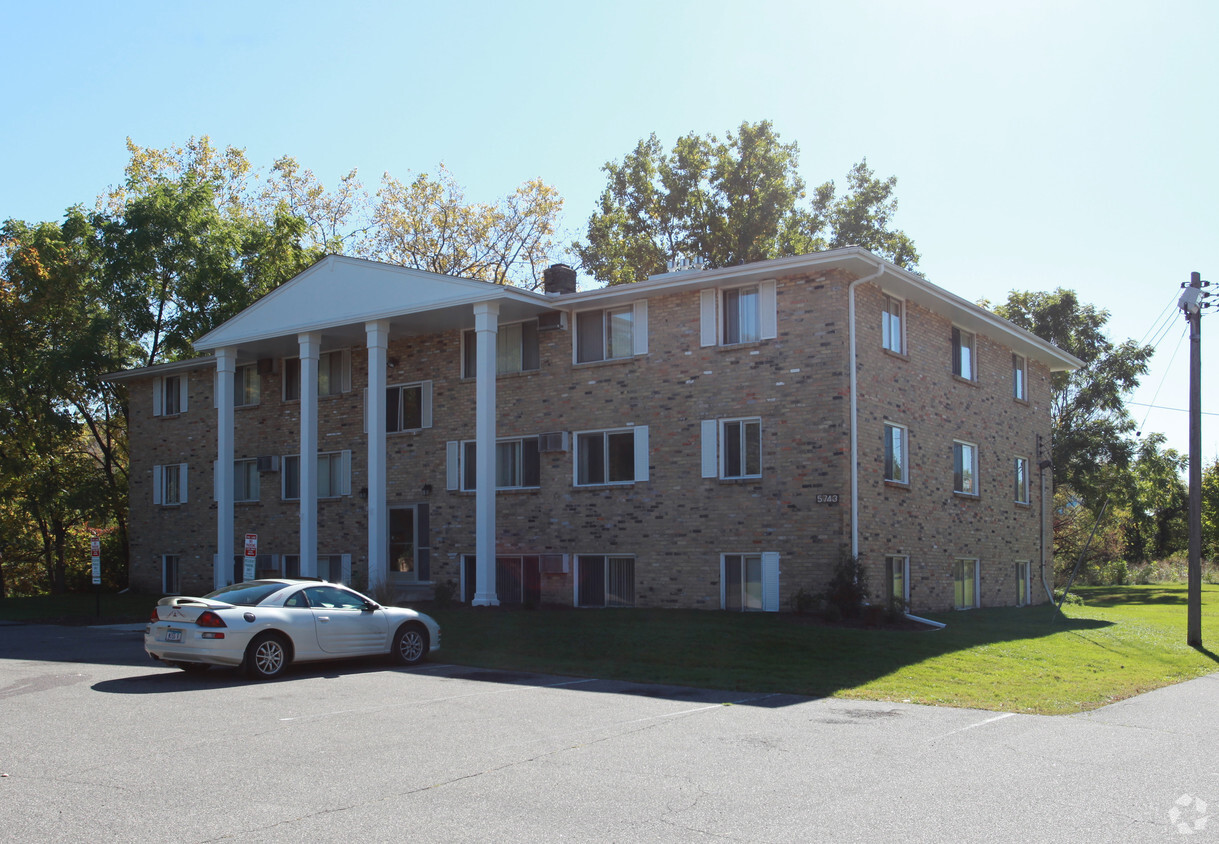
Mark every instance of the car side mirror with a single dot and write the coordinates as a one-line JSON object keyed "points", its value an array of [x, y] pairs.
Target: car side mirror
{"points": [[369, 606]]}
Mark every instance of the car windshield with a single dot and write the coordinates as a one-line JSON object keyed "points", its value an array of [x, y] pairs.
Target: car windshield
{"points": [[246, 594]]}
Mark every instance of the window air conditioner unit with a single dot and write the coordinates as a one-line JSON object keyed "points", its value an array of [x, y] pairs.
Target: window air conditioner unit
{"points": [[268, 463], [552, 321], [553, 563], [553, 441]]}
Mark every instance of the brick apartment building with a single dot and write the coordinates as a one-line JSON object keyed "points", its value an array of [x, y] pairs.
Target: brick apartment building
{"points": [[706, 438]]}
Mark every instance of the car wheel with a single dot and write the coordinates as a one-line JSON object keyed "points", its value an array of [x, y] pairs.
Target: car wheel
{"points": [[410, 644], [266, 657]]}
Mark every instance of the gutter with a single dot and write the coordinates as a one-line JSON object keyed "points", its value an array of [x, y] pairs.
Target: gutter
{"points": [[855, 406], [938, 625]]}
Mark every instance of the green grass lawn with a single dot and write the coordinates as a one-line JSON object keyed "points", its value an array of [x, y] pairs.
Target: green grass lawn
{"points": [[1122, 641]]}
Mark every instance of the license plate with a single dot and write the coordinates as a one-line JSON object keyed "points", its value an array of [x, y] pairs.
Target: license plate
{"points": [[173, 635]]}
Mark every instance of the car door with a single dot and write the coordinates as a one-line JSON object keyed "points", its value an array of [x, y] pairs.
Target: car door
{"points": [[344, 625]]}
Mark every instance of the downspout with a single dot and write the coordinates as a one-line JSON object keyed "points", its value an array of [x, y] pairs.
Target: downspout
{"points": [[855, 427], [1049, 593]]}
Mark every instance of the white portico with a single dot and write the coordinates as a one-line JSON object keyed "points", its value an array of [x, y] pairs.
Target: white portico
{"points": [[336, 305]]}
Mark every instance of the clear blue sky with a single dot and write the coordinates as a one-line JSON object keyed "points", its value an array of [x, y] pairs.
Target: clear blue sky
{"points": [[1036, 144]]}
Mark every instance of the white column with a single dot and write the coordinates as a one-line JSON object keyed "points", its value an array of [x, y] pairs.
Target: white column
{"points": [[226, 368], [378, 510], [310, 345], [486, 327]]}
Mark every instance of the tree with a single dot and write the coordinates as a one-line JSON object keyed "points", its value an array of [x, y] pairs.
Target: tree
{"points": [[730, 202], [427, 224], [1210, 511], [335, 220], [1087, 409], [1159, 502]]}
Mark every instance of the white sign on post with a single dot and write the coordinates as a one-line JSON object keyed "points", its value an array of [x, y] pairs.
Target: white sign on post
{"points": [[251, 556], [96, 550]]}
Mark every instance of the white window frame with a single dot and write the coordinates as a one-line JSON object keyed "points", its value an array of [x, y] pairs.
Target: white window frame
{"points": [[343, 461], [769, 562], [959, 362], [247, 385], [893, 316], [608, 579], [171, 574], [640, 455], [504, 358], [959, 448], [902, 434], [328, 371], [1020, 377], [1024, 583], [715, 447], [1021, 478], [169, 395], [635, 343], [246, 469], [897, 565], [425, 405], [712, 307], [164, 477], [462, 466], [960, 566]]}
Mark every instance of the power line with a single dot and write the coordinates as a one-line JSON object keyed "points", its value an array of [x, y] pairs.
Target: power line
{"points": [[1164, 377], [1174, 409]]}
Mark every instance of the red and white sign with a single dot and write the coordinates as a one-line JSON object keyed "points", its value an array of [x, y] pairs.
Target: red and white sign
{"points": [[95, 548], [251, 553]]}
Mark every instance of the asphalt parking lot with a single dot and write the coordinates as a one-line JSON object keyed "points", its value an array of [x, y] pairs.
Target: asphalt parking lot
{"points": [[99, 744]]}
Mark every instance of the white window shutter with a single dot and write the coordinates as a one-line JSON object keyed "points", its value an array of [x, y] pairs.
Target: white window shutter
{"points": [[452, 469], [710, 453], [158, 396], [156, 484], [639, 338], [707, 326], [345, 370], [345, 473], [768, 309], [770, 581], [425, 404], [642, 453], [346, 573], [182, 483], [182, 385]]}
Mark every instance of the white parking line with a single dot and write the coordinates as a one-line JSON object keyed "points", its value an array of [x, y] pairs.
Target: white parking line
{"points": [[979, 724]]}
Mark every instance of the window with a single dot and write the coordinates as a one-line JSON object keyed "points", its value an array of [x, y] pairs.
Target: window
{"points": [[965, 584], [742, 576], [245, 480], [1019, 377], [517, 465], [1022, 480], [897, 576], [1024, 583], [516, 349], [891, 334], [333, 374], [169, 395], [169, 484], [612, 457], [246, 385], [333, 475], [964, 468], [169, 575], [963, 363], [612, 333], [605, 581], [408, 407], [732, 448], [739, 314], [896, 469]]}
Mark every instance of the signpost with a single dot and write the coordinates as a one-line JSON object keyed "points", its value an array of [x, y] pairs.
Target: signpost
{"points": [[251, 556]]}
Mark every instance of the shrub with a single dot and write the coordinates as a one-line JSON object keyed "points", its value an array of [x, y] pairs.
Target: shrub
{"points": [[444, 593], [848, 588], [804, 602]]}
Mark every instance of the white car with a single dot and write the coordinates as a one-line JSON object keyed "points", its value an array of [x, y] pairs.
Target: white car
{"points": [[264, 625]]}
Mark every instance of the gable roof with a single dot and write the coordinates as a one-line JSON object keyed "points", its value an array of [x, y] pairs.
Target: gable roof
{"points": [[338, 295]]}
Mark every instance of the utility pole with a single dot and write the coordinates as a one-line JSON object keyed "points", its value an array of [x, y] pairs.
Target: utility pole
{"points": [[1191, 303]]}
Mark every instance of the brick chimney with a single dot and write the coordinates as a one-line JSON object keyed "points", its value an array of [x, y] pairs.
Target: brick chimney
{"points": [[558, 279]]}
